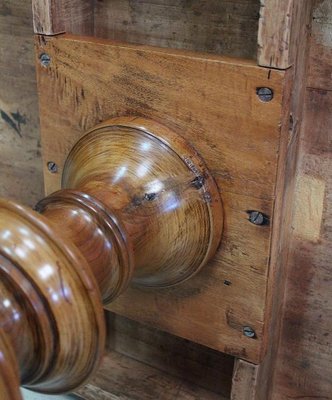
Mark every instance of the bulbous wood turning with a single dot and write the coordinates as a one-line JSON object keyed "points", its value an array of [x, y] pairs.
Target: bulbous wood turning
{"points": [[137, 205]]}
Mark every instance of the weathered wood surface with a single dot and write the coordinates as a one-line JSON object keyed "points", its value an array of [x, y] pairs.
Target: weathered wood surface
{"points": [[279, 31], [185, 360], [320, 69], [218, 26], [20, 153], [285, 203], [304, 362], [122, 378], [244, 383], [51, 17], [213, 104]]}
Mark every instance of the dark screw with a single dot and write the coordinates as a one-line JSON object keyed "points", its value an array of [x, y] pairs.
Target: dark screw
{"points": [[45, 60], [249, 332], [198, 182], [52, 167], [150, 196], [265, 94], [227, 283], [258, 218]]}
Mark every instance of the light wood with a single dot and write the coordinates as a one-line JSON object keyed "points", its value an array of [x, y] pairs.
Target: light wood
{"points": [[212, 102], [52, 17], [280, 24]]}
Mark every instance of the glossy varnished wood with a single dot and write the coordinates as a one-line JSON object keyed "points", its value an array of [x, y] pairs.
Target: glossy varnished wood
{"points": [[51, 306], [159, 189], [211, 101]]}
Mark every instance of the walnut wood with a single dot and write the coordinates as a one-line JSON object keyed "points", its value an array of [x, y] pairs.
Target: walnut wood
{"points": [[150, 212]]}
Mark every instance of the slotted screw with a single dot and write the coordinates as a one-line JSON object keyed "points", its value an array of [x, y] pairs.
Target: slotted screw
{"points": [[52, 167], [249, 332], [45, 60], [265, 94], [258, 218]]}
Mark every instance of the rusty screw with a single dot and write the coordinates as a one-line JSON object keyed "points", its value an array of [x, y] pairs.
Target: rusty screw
{"points": [[45, 60], [249, 332], [265, 94], [258, 218], [52, 167]]}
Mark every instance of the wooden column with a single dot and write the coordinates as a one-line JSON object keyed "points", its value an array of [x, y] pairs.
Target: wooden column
{"points": [[52, 17]]}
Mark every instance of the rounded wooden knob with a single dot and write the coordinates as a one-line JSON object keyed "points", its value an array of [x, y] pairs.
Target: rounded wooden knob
{"points": [[160, 190]]}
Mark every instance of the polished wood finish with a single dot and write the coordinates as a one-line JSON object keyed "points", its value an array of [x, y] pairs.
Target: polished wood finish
{"points": [[9, 375], [158, 188], [51, 272], [51, 305], [210, 101]]}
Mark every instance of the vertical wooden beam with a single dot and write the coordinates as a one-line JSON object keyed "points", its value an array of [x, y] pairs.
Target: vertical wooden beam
{"points": [[280, 23], [244, 383], [282, 50], [52, 17]]}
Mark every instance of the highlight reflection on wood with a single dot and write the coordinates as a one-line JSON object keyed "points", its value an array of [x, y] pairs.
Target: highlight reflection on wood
{"points": [[137, 204]]}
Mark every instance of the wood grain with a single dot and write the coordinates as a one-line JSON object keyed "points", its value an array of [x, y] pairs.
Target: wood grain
{"points": [[217, 26], [304, 356], [51, 17], [49, 295], [212, 102], [280, 24], [20, 153], [320, 64], [244, 384], [131, 379], [172, 355]]}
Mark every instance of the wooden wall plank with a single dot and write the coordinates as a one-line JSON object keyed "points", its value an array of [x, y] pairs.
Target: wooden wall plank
{"points": [[51, 17], [211, 101], [188, 361], [122, 378], [320, 64], [20, 152], [217, 26]]}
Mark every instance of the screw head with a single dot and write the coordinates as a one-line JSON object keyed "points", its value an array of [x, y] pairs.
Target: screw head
{"points": [[265, 94], [52, 167], [150, 196], [45, 60], [249, 332], [258, 218]]}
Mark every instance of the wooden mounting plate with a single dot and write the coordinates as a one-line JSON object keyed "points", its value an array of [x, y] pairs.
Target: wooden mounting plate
{"points": [[212, 102]]}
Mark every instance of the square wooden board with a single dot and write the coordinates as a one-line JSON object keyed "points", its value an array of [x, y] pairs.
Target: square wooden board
{"points": [[212, 102]]}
